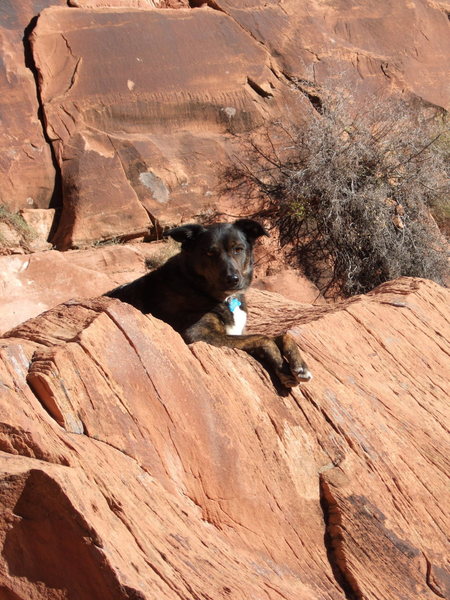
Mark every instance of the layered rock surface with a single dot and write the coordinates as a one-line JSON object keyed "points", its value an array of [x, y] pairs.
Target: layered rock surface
{"points": [[146, 122], [142, 106], [27, 174], [33, 283], [370, 45], [134, 466], [123, 113]]}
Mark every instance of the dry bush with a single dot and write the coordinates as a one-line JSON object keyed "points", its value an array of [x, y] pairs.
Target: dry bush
{"points": [[21, 234], [351, 192]]}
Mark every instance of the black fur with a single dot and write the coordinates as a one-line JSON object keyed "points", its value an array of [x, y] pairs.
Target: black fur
{"points": [[191, 292]]}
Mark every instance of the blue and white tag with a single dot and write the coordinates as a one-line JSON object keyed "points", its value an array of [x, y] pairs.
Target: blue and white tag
{"points": [[239, 316], [233, 304]]}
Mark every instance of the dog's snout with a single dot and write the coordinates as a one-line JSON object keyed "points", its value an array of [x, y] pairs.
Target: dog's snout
{"points": [[232, 279]]}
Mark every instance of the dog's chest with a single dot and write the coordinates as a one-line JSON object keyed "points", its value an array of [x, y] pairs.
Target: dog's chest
{"points": [[238, 321]]}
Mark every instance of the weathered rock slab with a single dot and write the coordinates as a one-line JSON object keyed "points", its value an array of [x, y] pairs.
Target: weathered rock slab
{"points": [[141, 102], [33, 283], [138, 132], [171, 471], [27, 174], [365, 47]]}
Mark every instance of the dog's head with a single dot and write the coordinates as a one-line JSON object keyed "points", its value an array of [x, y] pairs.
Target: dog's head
{"points": [[219, 256]]}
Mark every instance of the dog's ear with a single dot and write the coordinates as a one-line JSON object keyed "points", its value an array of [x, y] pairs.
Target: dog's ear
{"points": [[251, 229], [186, 234]]}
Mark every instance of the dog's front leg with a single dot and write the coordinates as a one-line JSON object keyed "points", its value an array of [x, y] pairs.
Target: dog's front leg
{"points": [[280, 353], [298, 368]]}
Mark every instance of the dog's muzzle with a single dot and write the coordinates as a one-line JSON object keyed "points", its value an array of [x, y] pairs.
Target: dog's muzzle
{"points": [[232, 281]]}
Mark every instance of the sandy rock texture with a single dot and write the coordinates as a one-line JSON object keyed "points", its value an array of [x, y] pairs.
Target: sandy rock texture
{"points": [[122, 114], [150, 121], [142, 102], [129, 3], [27, 173], [33, 283], [372, 44], [136, 467]]}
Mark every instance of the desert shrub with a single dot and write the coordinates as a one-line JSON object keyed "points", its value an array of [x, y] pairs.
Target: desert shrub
{"points": [[15, 222], [351, 191]]}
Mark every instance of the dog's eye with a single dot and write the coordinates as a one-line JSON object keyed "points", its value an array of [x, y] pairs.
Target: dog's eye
{"points": [[210, 252], [237, 250]]}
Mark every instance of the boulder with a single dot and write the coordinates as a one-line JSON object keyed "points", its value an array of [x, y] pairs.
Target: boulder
{"points": [[40, 221], [25, 231], [134, 466]]}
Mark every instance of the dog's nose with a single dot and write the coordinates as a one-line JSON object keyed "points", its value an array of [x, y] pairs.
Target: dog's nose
{"points": [[232, 279]]}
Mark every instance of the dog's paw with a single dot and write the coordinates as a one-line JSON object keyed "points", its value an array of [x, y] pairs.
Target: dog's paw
{"points": [[302, 373], [295, 365], [293, 376]]}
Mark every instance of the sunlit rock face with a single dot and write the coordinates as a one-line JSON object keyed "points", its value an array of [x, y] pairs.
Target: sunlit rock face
{"points": [[135, 466]]}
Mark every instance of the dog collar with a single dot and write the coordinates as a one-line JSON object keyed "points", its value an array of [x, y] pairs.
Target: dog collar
{"points": [[233, 303]]}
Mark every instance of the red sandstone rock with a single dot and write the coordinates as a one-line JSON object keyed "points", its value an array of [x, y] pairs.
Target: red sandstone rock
{"points": [[129, 3], [291, 285], [26, 231], [152, 120], [40, 222], [145, 102], [141, 129], [31, 284], [365, 46], [10, 239], [134, 466], [113, 3], [26, 170]]}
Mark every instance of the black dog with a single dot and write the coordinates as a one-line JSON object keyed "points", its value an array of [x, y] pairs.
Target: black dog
{"points": [[200, 293]]}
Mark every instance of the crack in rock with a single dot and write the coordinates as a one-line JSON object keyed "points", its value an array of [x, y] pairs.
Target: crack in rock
{"points": [[258, 89], [333, 541], [42, 371], [30, 63]]}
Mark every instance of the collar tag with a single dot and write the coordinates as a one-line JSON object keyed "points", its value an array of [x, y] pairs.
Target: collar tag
{"points": [[233, 303]]}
